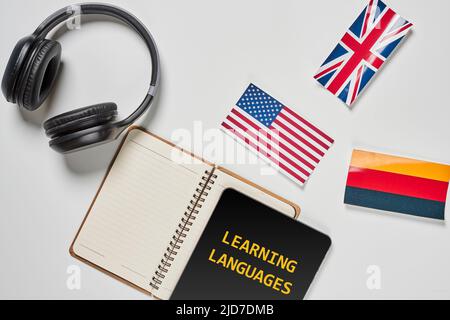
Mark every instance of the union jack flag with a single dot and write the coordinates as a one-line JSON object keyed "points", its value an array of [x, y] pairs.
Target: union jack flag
{"points": [[277, 134], [362, 51]]}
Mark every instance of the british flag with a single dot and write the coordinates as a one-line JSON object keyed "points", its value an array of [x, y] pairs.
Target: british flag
{"points": [[362, 51]]}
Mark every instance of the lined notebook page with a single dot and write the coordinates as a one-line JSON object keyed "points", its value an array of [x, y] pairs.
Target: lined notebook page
{"points": [[138, 209]]}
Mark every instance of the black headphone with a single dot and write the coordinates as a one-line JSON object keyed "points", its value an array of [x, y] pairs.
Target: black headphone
{"points": [[31, 73]]}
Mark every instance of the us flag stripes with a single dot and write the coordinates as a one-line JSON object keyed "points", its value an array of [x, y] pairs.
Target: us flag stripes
{"points": [[277, 134]]}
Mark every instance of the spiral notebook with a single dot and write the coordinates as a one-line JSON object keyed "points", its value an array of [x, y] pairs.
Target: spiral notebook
{"points": [[151, 209]]}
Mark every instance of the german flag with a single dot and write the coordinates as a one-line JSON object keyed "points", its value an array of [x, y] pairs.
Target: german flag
{"points": [[397, 184]]}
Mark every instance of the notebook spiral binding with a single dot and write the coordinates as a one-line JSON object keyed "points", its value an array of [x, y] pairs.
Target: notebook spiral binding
{"points": [[183, 228]]}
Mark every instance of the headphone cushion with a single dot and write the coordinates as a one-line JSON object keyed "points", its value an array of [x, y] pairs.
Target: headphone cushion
{"points": [[80, 119], [41, 74], [15, 63]]}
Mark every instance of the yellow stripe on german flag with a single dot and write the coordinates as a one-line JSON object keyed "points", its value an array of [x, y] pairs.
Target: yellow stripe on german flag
{"points": [[406, 166]]}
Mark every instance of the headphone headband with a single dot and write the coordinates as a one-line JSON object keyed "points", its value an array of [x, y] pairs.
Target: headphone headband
{"points": [[109, 10]]}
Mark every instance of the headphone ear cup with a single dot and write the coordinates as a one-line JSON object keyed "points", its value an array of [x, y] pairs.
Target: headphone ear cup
{"points": [[80, 119], [40, 74], [16, 62]]}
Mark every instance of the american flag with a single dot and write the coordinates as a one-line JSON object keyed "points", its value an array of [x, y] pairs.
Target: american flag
{"points": [[362, 51], [277, 134]]}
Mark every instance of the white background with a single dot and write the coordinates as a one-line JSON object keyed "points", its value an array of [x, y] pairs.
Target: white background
{"points": [[210, 51]]}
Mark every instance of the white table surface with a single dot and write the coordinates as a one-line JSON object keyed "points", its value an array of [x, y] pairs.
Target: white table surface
{"points": [[210, 51]]}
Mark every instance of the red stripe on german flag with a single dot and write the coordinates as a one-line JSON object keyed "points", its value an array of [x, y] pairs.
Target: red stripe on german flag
{"points": [[397, 184]]}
